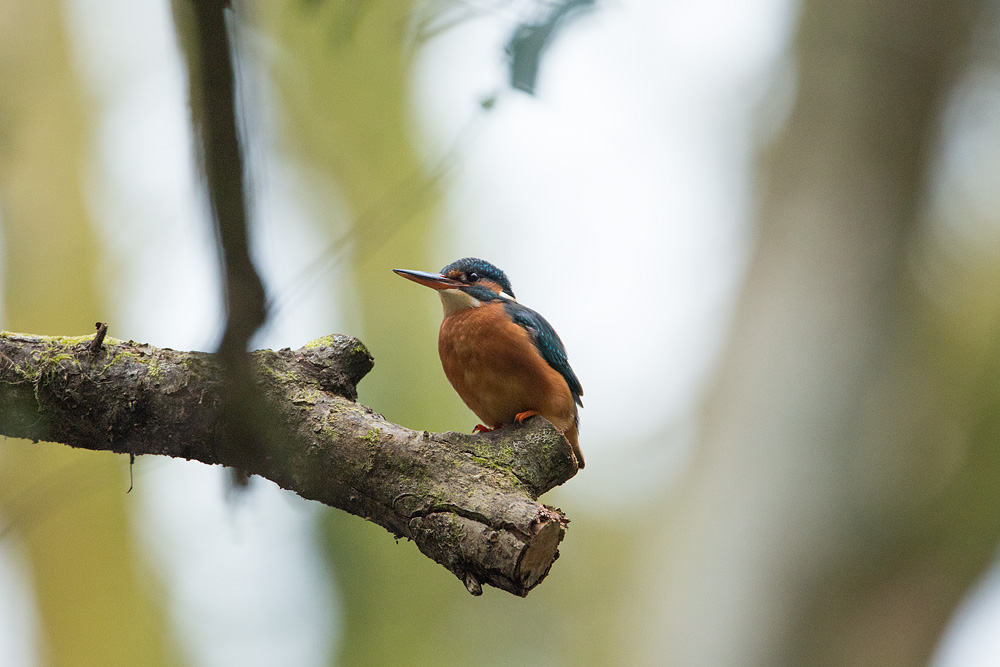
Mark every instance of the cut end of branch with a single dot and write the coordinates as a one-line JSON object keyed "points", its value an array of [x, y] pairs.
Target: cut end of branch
{"points": [[542, 549]]}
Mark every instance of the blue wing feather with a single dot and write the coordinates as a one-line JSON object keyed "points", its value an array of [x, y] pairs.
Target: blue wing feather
{"points": [[547, 341]]}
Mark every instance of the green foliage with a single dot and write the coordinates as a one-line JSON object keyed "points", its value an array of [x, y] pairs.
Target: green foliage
{"points": [[68, 508]]}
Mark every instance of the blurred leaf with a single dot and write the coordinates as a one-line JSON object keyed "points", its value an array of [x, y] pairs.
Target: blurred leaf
{"points": [[530, 40]]}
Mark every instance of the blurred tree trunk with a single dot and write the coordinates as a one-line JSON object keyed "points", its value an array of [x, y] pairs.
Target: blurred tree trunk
{"points": [[344, 87], [841, 504], [343, 81], [68, 508]]}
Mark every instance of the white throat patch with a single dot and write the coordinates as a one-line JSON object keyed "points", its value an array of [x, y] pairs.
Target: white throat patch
{"points": [[456, 299]]}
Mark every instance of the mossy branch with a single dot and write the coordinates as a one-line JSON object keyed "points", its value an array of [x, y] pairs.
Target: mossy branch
{"points": [[469, 502]]}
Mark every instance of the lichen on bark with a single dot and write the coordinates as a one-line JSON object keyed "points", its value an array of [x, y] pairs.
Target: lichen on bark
{"points": [[469, 502]]}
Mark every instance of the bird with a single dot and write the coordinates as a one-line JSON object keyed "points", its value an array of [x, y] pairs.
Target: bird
{"points": [[504, 360]]}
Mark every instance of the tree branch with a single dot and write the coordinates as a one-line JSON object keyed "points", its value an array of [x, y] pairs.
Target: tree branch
{"points": [[212, 82], [469, 502], [206, 44]]}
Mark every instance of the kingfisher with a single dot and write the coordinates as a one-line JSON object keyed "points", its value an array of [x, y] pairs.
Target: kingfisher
{"points": [[505, 360]]}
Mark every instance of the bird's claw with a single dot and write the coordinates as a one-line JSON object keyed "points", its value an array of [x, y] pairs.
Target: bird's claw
{"points": [[521, 416]]}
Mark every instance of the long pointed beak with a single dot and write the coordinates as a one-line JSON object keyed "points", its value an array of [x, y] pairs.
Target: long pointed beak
{"points": [[432, 280]]}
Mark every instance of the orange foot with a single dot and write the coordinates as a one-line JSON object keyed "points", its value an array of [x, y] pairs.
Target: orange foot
{"points": [[521, 416], [482, 429]]}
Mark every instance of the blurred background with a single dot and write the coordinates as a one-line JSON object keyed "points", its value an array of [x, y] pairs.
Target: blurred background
{"points": [[768, 233]]}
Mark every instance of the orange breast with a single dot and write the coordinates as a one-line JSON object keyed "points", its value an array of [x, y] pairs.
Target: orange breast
{"points": [[495, 367]]}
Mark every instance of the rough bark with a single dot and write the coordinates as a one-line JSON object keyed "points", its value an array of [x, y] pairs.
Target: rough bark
{"points": [[469, 502]]}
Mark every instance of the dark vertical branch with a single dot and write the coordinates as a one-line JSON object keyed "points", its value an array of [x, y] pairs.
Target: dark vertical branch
{"points": [[224, 169], [213, 101]]}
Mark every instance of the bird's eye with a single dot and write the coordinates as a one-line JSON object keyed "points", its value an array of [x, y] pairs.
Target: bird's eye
{"points": [[472, 277]]}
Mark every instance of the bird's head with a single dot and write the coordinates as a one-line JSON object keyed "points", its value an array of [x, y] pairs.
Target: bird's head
{"points": [[469, 282]]}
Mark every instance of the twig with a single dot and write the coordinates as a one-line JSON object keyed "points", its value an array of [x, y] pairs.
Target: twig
{"points": [[98, 342]]}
